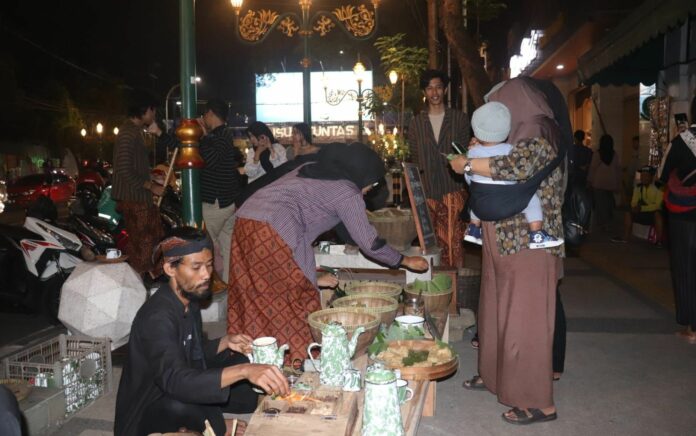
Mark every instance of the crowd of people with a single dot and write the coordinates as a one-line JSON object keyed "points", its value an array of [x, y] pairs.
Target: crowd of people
{"points": [[521, 158]]}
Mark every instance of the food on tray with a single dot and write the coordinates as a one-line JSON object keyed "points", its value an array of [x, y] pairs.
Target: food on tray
{"points": [[294, 396], [396, 356], [393, 333]]}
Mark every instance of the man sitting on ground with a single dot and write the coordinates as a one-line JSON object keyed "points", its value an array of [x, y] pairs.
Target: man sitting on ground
{"points": [[646, 207], [173, 377]]}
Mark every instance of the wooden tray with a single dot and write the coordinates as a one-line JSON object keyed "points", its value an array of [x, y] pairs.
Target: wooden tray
{"points": [[425, 373], [335, 416]]}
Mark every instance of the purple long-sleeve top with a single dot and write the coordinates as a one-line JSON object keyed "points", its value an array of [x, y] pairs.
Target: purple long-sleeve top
{"points": [[300, 209]]}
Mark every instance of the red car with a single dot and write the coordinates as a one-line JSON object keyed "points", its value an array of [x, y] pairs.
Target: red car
{"points": [[57, 186]]}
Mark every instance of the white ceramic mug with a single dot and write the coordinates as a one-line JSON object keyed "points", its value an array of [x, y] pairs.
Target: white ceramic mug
{"points": [[403, 391], [113, 253]]}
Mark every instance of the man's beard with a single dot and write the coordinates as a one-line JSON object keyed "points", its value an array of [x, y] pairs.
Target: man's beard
{"points": [[197, 296]]}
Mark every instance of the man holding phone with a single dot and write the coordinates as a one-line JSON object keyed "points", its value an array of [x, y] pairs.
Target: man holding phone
{"points": [[431, 134]]}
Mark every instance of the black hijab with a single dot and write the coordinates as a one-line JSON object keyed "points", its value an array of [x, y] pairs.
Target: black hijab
{"points": [[606, 149], [355, 162]]}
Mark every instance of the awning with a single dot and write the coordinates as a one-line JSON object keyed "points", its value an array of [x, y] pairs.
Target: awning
{"points": [[633, 51]]}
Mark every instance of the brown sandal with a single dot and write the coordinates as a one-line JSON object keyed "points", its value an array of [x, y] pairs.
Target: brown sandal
{"points": [[474, 384], [521, 417]]}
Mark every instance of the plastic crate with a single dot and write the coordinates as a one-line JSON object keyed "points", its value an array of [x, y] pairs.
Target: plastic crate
{"points": [[81, 365]]}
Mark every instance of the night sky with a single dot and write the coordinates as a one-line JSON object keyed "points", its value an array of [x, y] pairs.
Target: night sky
{"points": [[137, 43]]}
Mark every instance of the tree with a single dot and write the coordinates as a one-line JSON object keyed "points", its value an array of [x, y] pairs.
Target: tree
{"points": [[465, 50], [408, 62]]}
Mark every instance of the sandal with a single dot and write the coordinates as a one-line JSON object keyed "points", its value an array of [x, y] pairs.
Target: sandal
{"points": [[474, 384], [521, 417]]}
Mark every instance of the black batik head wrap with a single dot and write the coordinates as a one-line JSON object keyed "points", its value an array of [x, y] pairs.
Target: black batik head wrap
{"points": [[181, 242], [355, 162]]}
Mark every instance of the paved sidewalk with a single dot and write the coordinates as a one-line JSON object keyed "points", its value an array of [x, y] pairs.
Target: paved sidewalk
{"points": [[626, 371]]}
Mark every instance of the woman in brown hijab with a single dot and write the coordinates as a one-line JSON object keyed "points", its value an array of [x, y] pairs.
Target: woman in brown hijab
{"points": [[518, 286]]}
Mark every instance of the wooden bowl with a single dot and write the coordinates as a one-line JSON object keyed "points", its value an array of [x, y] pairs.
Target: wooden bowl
{"points": [[387, 289], [427, 372], [434, 302], [351, 319], [382, 306]]}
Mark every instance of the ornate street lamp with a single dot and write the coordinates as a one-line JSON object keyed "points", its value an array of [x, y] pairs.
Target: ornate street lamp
{"points": [[100, 130], [393, 79], [253, 27], [334, 98]]}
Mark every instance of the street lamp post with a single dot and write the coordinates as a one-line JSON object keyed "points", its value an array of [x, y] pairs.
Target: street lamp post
{"points": [[336, 98], [188, 132], [166, 100], [357, 22]]}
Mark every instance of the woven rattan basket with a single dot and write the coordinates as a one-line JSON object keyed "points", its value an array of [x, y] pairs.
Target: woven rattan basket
{"points": [[382, 306], [386, 289], [396, 226], [468, 288], [350, 318]]}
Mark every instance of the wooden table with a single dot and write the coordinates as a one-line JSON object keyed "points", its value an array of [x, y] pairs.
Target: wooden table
{"points": [[348, 421]]}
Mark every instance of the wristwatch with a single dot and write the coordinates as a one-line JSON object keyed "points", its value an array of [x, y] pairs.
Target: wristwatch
{"points": [[467, 167]]}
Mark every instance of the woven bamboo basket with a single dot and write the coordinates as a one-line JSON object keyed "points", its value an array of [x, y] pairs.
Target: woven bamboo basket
{"points": [[396, 226], [435, 302], [350, 318], [382, 306], [386, 289]]}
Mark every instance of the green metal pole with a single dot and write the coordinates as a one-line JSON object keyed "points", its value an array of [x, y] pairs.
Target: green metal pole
{"points": [[306, 69], [189, 160]]}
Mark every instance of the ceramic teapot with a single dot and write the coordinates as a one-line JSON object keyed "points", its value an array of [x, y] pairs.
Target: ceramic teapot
{"points": [[266, 350], [336, 352], [381, 410]]}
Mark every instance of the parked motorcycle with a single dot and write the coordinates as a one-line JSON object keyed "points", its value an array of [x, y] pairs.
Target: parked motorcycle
{"points": [[35, 261]]}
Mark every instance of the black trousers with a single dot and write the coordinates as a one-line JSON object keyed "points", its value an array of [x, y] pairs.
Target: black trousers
{"points": [[10, 416], [559, 335], [169, 415], [682, 247]]}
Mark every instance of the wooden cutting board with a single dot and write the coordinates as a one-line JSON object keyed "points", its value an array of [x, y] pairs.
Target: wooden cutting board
{"points": [[326, 411]]}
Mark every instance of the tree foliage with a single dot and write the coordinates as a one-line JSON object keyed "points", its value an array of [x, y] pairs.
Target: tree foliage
{"points": [[408, 61], [483, 10]]}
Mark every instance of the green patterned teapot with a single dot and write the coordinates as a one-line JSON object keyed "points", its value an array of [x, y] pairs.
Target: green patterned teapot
{"points": [[336, 352]]}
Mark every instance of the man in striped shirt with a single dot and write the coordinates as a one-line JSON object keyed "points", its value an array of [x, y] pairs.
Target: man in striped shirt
{"points": [[221, 182], [430, 134], [132, 187]]}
